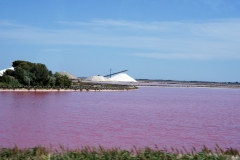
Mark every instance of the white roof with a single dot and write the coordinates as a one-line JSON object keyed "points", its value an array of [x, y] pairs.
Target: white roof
{"points": [[2, 71], [122, 77], [96, 79]]}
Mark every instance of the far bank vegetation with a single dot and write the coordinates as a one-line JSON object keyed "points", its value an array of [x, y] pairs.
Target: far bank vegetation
{"points": [[36, 76], [33, 74]]}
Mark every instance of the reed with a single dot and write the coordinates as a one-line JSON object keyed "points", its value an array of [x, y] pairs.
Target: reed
{"points": [[101, 153]]}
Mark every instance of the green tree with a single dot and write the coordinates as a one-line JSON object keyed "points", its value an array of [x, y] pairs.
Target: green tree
{"points": [[67, 81], [52, 81], [62, 81], [10, 80], [9, 72], [19, 74], [31, 73], [23, 64], [41, 73], [34, 74]]}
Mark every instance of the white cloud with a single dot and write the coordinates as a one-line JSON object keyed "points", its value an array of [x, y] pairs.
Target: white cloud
{"points": [[51, 50], [171, 56], [171, 40], [103, 24]]}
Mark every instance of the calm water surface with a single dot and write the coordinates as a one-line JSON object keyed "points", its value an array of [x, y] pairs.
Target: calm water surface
{"points": [[163, 116]]}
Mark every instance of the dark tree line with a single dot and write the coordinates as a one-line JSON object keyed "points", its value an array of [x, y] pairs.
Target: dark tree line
{"points": [[33, 74]]}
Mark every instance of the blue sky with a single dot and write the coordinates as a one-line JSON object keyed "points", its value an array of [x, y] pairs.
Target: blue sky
{"points": [[158, 39]]}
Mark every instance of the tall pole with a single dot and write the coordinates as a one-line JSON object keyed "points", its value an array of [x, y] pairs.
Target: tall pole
{"points": [[110, 73]]}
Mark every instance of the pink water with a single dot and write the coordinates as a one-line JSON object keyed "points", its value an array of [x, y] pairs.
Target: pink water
{"points": [[146, 117]]}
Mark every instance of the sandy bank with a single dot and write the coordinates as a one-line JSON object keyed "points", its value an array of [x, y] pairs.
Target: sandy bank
{"points": [[60, 90]]}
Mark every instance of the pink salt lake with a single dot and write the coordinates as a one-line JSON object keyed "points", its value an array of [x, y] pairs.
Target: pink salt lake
{"points": [[146, 117]]}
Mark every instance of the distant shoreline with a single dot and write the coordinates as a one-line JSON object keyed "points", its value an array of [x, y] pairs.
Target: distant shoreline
{"points": [[175, 84], [202, 87], [189, 86], [120, 86]]}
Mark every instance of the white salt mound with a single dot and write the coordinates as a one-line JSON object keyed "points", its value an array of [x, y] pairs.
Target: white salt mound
{"points": [[122, 77], [2, 71], [96, 79], [69, 75]]}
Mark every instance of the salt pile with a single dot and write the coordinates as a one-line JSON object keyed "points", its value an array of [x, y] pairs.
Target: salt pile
{"points": [[2, 71], [69, 75], [122, 77], [96, 79]]}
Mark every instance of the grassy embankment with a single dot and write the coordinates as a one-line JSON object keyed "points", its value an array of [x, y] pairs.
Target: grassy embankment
{"points": [[101, 153], [77, 87]]}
